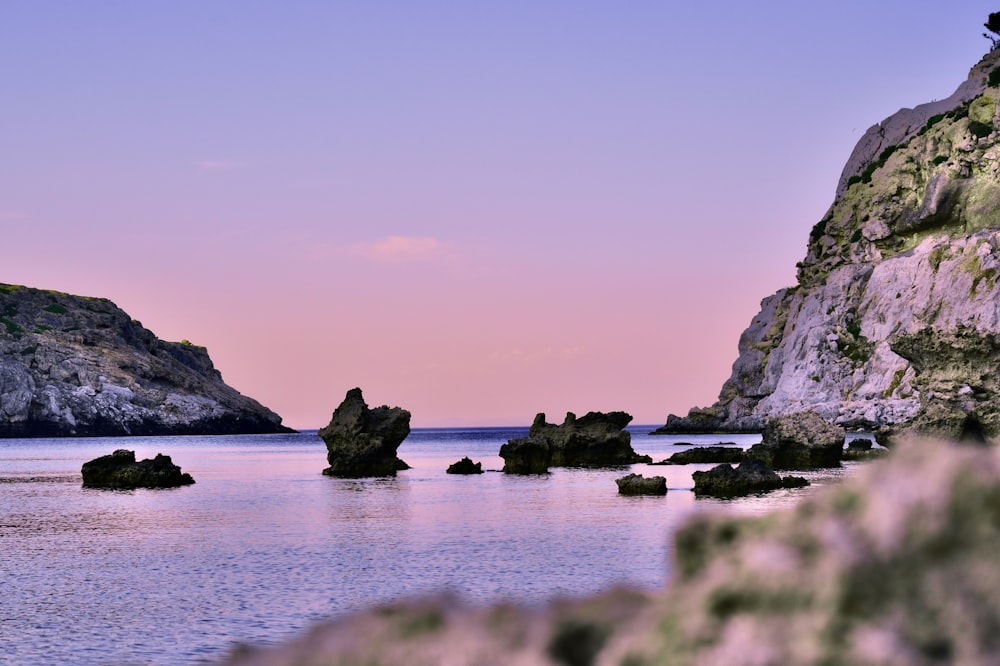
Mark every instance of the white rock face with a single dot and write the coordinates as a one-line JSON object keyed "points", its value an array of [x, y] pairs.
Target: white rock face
{"points": [[904, 263]]}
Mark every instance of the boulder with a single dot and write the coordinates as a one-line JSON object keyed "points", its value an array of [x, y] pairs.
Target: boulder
{"points": [[465, 466], [526, 455], [803, 440], [121, 471], [362, 442], [862, 449], [636, 484], [751, 476], [596, 439], [705, 454]]}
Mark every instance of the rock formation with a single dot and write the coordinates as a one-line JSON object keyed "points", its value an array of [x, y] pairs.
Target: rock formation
{"points": [[894, 324], [705, 454], [637, 484], [77, 366], [799, 441], [750, 476], [362, 442], [465, 466], [594, 440], [121, 471]]}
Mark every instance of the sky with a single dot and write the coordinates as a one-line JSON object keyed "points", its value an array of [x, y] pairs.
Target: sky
{"points": [[476, 211]]}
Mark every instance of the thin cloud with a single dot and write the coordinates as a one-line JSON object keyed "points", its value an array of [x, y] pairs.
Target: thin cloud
{"points": [[401, 249]]}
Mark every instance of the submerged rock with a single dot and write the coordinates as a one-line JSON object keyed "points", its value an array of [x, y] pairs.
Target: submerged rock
{"points": [[705, 454], [465, 466], [594, 440], [362, 442], [121, 471], [637, 484], [802, 440]]}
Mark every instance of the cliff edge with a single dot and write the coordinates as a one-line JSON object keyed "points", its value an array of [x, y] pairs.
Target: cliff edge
{"points": [[895, 321], [79, 366]]}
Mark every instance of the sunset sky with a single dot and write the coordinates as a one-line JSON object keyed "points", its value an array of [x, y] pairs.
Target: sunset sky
{"points": [[474, 210]]}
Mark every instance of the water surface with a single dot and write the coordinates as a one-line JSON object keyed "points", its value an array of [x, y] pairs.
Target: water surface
{"points": [[263, 544]]}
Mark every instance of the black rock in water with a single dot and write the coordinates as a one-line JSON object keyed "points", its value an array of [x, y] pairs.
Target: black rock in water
{"points": [[594, 440], [362, 442], [637, 484], [120, 470], [705, 454], [751, 476], [465, 466]]}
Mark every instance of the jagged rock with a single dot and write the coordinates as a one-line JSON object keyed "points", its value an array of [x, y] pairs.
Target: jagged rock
{"points": [[750, 476], [637, 484], [526, 455], [121, 471], [76, 366], [894, 324], [594, 440], [705, 454], [799, 441], [362, 442], [465, 466]]}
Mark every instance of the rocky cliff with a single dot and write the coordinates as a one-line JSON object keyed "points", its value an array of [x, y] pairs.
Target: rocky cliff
{"points": [[895, 321], [78, 366]]}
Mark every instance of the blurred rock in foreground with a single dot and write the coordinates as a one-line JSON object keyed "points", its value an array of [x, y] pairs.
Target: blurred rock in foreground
{"points": [[897, 565]]}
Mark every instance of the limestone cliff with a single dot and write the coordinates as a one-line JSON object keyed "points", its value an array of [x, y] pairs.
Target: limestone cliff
{"points": [[78, 366], [895, 321]]}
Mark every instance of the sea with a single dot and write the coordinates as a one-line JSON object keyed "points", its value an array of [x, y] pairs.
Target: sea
{"points": [[263, 545]]}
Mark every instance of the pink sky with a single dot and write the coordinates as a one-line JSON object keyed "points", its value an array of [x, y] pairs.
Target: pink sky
{"points": [[476, 214]]}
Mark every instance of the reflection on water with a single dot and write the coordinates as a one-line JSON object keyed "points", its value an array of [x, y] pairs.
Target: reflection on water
{"points": [[263, 544]]}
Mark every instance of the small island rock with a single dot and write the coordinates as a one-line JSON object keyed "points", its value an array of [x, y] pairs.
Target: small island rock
{"points": [[465, 466], [803, 440], [705, 454], [594, 440], [362, 442], [121, 471], [751, 476], [637, 484]]}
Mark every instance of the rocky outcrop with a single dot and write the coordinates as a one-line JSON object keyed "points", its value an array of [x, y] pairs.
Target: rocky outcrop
{"points": [[862, 449], [896, 566], [799, 441], [637, 484], [362, 442], [121, 471], [78, 366], [750, 476], [705, 454], [465, 466], [895, 320], [594, 440]]}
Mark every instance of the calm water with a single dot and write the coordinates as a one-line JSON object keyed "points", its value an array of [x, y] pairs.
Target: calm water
{"points": [[263, 544]]}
